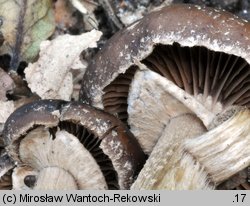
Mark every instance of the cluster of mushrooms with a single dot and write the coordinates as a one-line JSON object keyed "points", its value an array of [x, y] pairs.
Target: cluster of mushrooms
{"points": [[164, 105]]}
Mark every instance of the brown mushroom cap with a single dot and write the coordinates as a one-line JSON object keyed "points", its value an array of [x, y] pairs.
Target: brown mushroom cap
{"points": [[108, 142], [29, 115]]}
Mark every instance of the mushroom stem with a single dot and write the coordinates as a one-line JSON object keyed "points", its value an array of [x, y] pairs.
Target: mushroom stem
{"points": [[188, 100], [171, 168], [225, 150], [201, 162]]}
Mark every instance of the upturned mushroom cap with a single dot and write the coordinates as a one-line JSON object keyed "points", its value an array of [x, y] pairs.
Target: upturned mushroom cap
{"points": [[167, 64], [83, 147]]}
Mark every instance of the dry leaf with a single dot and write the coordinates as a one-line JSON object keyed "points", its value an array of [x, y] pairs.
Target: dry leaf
{"points": [[50, 77], [25, 24]]}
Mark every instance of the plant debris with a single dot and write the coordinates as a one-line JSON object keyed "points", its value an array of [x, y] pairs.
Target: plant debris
{"points": [[51, 76]]}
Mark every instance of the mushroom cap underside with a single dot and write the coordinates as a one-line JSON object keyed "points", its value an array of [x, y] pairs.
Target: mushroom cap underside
{"points": [[98, 135]]}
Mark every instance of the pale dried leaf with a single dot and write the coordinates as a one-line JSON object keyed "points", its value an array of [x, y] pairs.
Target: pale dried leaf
{"points": [[51, 77]]}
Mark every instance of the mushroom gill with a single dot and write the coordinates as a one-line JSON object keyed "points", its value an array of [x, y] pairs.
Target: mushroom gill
{"points": [[92, 144], [216, 79], [212, 77], [115, 97]]}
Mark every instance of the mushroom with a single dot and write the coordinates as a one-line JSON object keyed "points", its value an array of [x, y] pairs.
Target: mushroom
{"points": [[167, 65], [70, 145]]}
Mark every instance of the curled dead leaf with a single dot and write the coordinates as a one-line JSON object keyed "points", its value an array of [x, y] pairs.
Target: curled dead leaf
{"points": [[50, 77]]}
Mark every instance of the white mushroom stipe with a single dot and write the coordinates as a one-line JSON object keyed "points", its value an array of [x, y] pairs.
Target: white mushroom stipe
{"points": [[39, 150], [188, 100], [171, 169], [201, 162], [224, 150], [150, 111]]}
